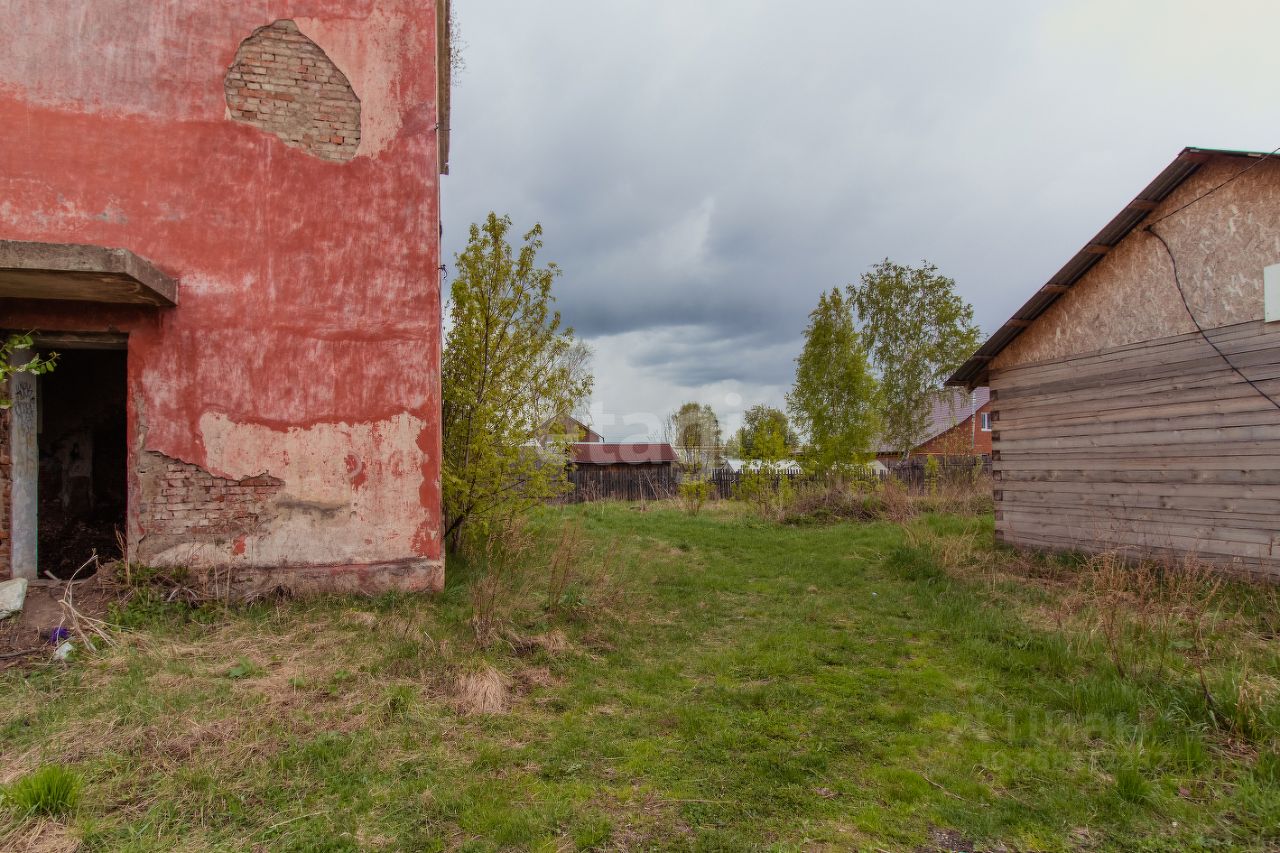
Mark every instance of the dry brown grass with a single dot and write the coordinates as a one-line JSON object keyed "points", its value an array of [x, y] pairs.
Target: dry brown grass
{"points": [[502, 560], [483, 692], [1156, 620], [1148, 605], [553, 642], [39, 836], [888, 500]]}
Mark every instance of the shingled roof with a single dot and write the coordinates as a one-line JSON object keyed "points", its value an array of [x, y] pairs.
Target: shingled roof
{"points": [[621, 454], [947, 409]]}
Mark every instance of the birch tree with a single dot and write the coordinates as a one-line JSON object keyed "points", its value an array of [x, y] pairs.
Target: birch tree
{"points": [[833, 401], [765, 435], [509, 365], [917, 331]]}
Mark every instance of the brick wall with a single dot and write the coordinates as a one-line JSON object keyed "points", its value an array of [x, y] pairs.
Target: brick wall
{"points": [[964, 439], [283, 83], [6, 464], [182, 504]]}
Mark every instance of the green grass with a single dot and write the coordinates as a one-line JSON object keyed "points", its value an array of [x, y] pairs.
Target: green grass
{"points": [[51, 791], [736, 685]]}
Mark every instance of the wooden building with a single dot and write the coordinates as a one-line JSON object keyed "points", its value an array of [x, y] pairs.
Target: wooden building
{"points": [[1136, 396], [567, 426], [628, 471], [643, 456]]}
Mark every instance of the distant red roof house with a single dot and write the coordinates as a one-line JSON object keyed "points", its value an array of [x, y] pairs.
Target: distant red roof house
{"points": [[654, 453], [959, 425]]}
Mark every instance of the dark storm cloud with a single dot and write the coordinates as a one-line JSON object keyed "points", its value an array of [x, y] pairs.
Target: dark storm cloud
{"points": [[704, 169], [693, 355]]}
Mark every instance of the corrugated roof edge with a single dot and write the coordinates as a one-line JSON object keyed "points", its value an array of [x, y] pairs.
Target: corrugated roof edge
{"points": [[973, 372]]}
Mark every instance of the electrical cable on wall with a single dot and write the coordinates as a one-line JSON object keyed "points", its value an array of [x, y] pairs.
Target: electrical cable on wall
{"points": [[1177, 279]]}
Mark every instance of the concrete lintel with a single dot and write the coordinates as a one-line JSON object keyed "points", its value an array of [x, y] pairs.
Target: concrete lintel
{"points": [[70, 271]]}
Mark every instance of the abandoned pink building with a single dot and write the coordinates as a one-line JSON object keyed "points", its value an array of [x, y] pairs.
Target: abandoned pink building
{"points": [[225, 218]]}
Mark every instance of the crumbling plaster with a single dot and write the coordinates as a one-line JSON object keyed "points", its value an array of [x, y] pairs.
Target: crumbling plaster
{"points": [[308, 320]]}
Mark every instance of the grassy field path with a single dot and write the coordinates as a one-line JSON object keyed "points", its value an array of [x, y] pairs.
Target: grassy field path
{"points": [[732, 685]]}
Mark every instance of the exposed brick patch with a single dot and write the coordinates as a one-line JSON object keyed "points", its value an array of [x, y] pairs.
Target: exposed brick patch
{"points": [[283, 83], [181, 503]]}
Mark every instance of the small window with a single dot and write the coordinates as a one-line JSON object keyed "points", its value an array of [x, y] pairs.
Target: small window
{"points": [[985, 420]]}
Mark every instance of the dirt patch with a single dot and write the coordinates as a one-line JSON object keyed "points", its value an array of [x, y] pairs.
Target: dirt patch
{"points": [[25, 638], [946, 841]]}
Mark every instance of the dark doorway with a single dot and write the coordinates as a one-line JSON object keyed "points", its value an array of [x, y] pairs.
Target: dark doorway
{"points": [[83, 490]]}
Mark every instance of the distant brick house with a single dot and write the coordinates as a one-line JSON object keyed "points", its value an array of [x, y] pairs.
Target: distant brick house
{"points": [[226, 217], [959, 424]]}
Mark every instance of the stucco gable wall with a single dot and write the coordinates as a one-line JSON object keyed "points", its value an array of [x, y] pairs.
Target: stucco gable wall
{"points": [[1222, 244]]}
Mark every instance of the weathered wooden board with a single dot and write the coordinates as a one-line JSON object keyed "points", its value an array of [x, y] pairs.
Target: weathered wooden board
{"points": [[1205, 407], [1242, 338], [1124, 395], [1249, 457], [1226, 504], [1156, 447], [1247, 564]]}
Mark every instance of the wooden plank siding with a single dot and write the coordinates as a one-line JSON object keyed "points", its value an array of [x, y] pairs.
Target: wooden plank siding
{"points": [[1156, 447]]}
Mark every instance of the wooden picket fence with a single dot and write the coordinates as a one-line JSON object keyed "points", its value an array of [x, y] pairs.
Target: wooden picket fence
{"points": [[642, 484]]}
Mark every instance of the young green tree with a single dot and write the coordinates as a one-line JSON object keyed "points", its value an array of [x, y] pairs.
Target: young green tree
{"points": [[833, 403], [764, 439], [765, 435], [693, 430], [917, 330], [509, 365], [35, 364]]}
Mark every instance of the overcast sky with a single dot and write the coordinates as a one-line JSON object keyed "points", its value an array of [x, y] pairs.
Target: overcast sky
{"points": [[704, 168]]}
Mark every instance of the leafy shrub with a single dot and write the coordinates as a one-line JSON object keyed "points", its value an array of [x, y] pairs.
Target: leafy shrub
{"points": [[767, 492], [51, 791], [932, 473], [694, 494]]}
